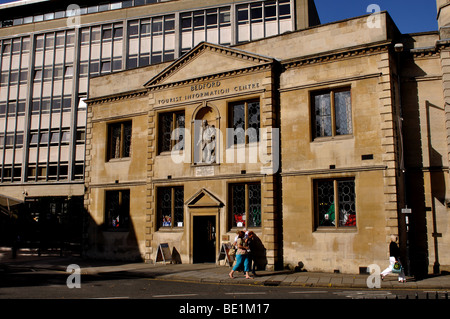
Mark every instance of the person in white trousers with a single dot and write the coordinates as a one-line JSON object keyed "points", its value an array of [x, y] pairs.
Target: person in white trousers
{"points": [[394, 253]]}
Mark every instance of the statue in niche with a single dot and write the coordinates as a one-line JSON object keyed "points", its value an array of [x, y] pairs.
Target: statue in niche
{"points": [[207, 143]]}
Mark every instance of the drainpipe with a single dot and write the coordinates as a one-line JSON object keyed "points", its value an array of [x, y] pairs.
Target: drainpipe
{"points": [[404, 212]]}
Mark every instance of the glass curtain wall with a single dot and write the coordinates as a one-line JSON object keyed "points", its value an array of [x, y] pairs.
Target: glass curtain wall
{"points": [[14, 67], [258, 20], [151, 40], [211, 25]]}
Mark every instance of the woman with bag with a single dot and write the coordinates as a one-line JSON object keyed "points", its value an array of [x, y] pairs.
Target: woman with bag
{"points": [[241, 256], [394, 261]]}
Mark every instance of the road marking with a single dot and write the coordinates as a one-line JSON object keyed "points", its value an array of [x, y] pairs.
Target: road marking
{"points": [[364, 294], [245, 293], [180, 295], [308, 292], [111, 298]]}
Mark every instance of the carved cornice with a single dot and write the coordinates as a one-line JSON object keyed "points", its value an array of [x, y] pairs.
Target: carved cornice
{"points": [[336, 55], [116, 97], [211, 77], [432, 51]]}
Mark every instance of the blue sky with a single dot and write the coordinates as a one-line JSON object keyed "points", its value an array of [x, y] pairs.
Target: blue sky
{"points": [[409, 15]]}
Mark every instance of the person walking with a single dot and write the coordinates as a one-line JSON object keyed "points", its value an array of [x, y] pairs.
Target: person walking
{"points": [[241, 256], [394, 253], [254, 252]]}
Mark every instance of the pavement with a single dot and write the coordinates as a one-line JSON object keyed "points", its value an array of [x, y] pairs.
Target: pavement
{"points": [[211, 273]]}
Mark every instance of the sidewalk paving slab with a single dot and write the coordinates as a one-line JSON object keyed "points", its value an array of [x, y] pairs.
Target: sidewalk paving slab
{"points": [[212, 273]]}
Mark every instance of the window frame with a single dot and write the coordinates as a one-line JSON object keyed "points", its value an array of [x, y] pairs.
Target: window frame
{"points": [[11, 173], [159, 215], [252, 14], [123, 210], [231, 139], [197, 24], [332, 92], [336, 203], [232, 224], [174, 127], [110, 156]]}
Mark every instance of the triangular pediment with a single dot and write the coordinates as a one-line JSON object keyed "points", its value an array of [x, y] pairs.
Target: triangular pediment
{"points": [[206, 60], [204, 198]]}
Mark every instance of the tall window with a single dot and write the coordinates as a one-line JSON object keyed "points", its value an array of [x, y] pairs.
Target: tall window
{"points": [[244, 119], [170, 206], [151, 40], [332, 113], [119, 140], [170, 135], [14, 61], [335, 203], [262, 19], [117, 209], [245, 208], [212, 25]]}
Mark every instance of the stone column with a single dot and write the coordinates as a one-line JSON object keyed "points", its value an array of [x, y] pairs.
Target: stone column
{"points": [[443, 16], [150, 217], [269, 195]]}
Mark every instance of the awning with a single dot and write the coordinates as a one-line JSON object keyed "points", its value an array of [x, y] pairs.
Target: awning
{"points": [[6, 203]]}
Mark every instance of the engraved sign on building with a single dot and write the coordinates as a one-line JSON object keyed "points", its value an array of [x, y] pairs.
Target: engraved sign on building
{"points": [[203, 171]]}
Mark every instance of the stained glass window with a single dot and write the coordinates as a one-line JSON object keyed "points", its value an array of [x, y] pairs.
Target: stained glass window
{"points": [[238, 208], [170, 134], [178, 212], [347, 209], [325, 195], [245, 205], [322, 108], [170, 203], [245, 121], [165, 129], [335, 203], [332, 112], [254, 205], [343, 113], [117, 209], [119, 138], [253, 121], [165, 206], [238, 118]]}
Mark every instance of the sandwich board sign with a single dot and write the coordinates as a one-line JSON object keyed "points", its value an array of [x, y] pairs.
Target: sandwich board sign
{"points": [[163, 253], [224, 254]]}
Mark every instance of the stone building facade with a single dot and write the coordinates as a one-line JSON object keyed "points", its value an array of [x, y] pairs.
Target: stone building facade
{"points": [[319, 140]]}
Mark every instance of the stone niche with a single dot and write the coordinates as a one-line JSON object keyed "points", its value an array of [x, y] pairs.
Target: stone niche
{"points": [[206, 131]]}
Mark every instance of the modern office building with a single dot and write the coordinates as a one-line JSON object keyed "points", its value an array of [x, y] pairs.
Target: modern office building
{"points": [[51, 49]]}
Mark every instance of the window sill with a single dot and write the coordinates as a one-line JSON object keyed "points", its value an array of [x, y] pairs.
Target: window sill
{"points": [[112, 230], [169, 153], [346, 229], [243, 145], [200, 164], [116, 160], [170, 229], [332, 138], [235, 229]]}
